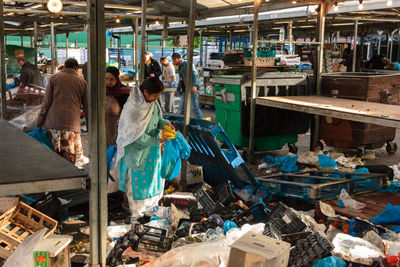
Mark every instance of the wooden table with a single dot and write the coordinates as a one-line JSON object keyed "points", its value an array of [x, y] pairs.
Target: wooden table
{"points": [[26, 166], [367, 112]]}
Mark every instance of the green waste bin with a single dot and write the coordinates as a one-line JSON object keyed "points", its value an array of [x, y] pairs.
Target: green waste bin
{"points": [[229, 94]]}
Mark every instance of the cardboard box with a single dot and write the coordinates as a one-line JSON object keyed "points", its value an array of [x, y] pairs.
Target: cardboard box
{"points": [[254, 249], [260, 61], [194, 174]]}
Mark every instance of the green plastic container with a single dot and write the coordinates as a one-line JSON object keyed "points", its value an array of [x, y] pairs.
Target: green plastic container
{"points": [[228, 97]]}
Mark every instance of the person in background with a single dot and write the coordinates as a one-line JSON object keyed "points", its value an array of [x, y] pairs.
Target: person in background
{"points": [[117, 94], [60, 113], [29, 74], [139, 147], [182, 67], [168, 77], [42, 59], [151, 66]]}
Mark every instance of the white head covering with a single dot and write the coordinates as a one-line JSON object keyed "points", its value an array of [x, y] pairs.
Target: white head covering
{"points": [[135, 117]]}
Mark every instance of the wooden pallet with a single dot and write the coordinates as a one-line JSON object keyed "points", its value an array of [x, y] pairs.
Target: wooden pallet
{"points": [[376, 202]]}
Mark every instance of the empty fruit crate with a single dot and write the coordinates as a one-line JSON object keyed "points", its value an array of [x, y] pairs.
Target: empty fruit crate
{"points": [[19, 222]]}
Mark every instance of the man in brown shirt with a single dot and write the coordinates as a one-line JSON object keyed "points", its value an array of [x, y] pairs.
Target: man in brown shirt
{"points": [[60, 114]]}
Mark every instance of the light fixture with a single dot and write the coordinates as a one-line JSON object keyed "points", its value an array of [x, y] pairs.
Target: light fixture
{"points": [[239, 1], [117, 20], [389, 3], [36, 6], [360, 6], [157, 22], [336, 7], [54, 6], [294, 2]]}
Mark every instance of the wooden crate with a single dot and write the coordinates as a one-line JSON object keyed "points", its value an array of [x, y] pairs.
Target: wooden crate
{"points": [[260, 61], [18, 223]]}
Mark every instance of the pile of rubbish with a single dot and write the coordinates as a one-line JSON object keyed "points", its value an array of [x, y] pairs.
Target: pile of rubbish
{"points": [[228, 226]]}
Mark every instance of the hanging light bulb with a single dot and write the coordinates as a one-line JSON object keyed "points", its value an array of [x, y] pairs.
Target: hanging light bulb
{"points": [[360, 6], [54, 6], [117, 20], [239, 1], [157, 22], [389, 3], [336, 7], [294, 2]]}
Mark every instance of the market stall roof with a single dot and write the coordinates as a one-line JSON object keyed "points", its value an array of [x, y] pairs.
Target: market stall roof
{"points": [[375, 15], [20, 15]]}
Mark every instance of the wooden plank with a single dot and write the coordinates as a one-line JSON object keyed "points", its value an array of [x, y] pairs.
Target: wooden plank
{"points": [[54, 244], [24, 160], [367, 112]]}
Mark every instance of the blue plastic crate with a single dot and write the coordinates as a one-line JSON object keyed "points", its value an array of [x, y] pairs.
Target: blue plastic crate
{"points": [[219, 165]]}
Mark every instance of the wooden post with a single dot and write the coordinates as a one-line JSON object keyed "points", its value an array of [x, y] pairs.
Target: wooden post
{"points": [[188, 83], [257, 4], [142, 39], [98, 209], [3, 76]]}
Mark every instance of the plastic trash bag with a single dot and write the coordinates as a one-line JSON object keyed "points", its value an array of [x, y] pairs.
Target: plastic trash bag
{"points": [[23, 254], [326, 163], [174, 150], [355, 249], [285, 163], [331, 261], [350, 203], [40, 135], [211, 254], [390, 215]]}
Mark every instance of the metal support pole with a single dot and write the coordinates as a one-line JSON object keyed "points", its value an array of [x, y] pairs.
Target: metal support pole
{"points": [[142, 39], [165, 31], [136, 47], [3, 76], [230, 39], [314, 138], [66, 44], [353, 69], [380, 42], [290, 28], [391, 44], [22, 40], [257, 4], [206, 53], [201, 47], [250, 30], [387, 44], [98, 210], [188, 83], [35, 42], [52, 50]]}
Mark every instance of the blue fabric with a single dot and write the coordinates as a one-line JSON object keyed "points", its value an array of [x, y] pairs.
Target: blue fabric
{"points": [[396, 66], [360, 170], [331, 261], [182, 74], [111, 150], [195, 106], [390, 215], [10, 85], [286, 163], [174, 150], [396, 229], [40, 135], [326, 162]]}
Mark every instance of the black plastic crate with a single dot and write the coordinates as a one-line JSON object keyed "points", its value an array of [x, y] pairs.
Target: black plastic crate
{"points": [[310, 250], [271, 231], [255, 214], [286, 221]]}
